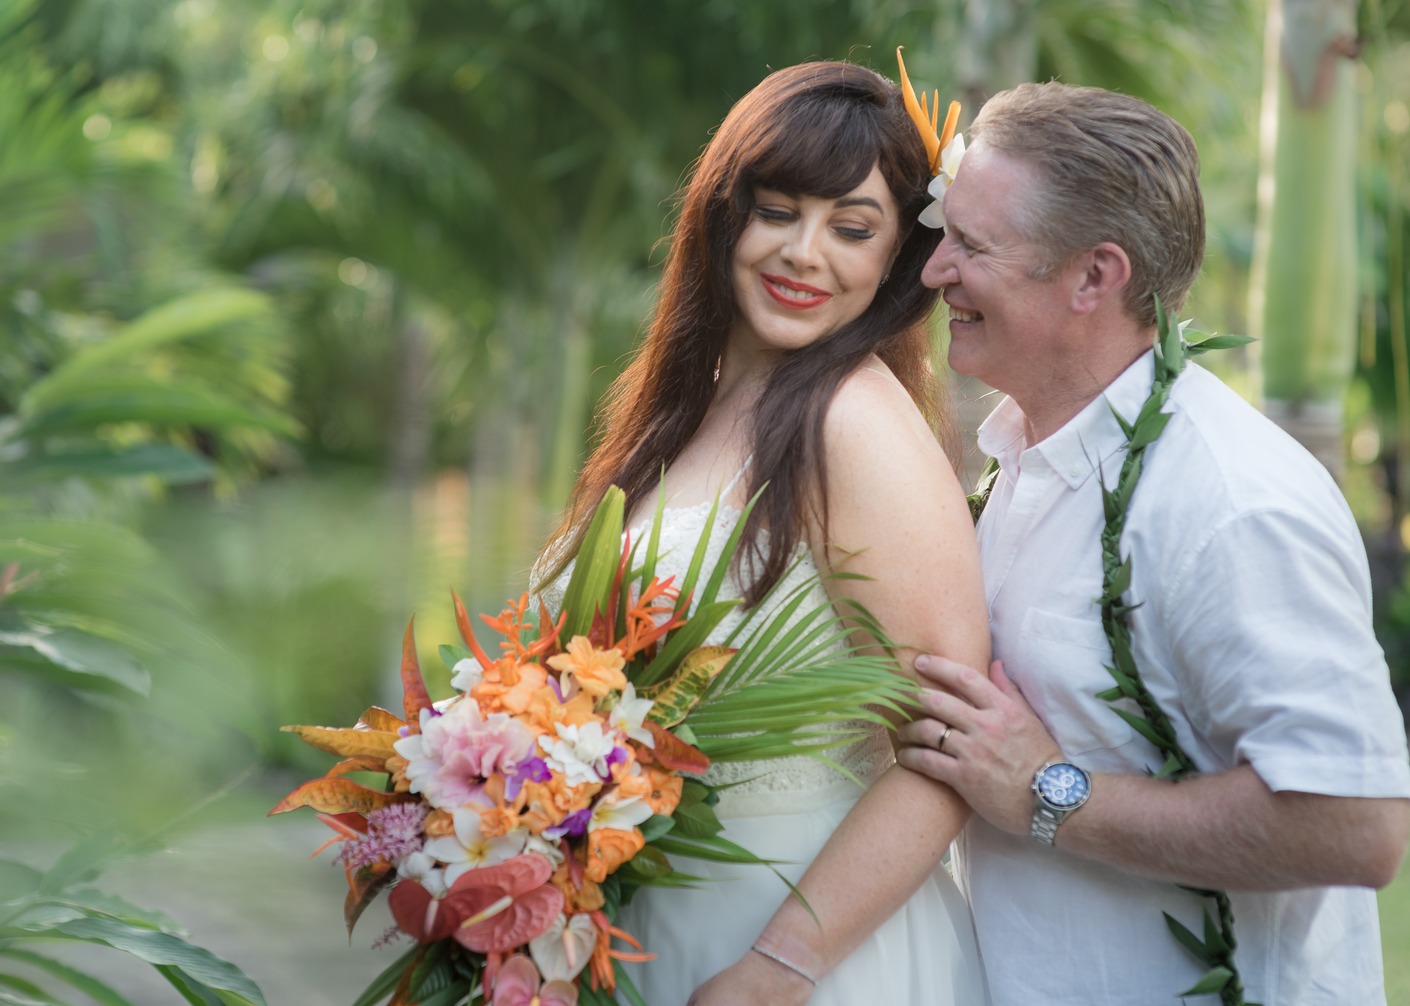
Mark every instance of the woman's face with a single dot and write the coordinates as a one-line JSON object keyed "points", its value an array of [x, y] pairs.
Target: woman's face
{"points": [[805, 266]]}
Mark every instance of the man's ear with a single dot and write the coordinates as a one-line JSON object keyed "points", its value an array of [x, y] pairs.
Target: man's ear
{"points": [[1103, 274]]}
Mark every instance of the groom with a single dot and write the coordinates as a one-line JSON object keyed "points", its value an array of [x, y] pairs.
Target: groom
{"points": [[1250, 595]]}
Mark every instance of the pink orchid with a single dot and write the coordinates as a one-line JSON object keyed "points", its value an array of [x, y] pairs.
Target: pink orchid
{"points": [[490, 910], [518, 985]]}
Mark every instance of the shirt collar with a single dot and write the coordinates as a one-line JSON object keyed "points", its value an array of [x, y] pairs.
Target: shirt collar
{"points": [[1085, 444]]}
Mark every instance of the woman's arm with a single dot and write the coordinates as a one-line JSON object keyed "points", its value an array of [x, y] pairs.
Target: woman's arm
{"points": [[897, 515]]}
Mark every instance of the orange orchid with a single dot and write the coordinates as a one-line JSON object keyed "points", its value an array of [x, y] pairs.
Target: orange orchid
{"points": [[508, 686], [545, 710], [597, 671], [658, 788], [579, 893]]}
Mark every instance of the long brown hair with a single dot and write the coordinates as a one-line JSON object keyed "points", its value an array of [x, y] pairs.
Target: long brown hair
{"points": [[812, 129]]}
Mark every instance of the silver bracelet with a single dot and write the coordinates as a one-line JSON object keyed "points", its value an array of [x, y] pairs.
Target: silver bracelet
{"points": [[786, 963]]}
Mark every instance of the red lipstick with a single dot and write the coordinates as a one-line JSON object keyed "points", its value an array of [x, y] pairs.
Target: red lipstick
{"points": [[777, 285]]}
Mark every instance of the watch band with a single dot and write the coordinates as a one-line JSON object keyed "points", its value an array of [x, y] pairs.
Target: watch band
{"points": [[1045, 823]]}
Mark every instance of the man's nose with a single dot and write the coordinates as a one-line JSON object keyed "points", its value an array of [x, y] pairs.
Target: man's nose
{"points": [[940, 268]]}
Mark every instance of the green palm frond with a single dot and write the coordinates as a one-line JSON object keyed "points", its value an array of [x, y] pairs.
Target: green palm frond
{"points": [[797, 685]]}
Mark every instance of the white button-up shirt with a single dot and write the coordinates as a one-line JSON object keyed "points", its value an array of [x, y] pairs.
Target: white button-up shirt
{"points": [[1253, 632]]}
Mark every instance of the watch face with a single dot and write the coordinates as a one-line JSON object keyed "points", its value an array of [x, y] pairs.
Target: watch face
{"points": [[1063, 786]]}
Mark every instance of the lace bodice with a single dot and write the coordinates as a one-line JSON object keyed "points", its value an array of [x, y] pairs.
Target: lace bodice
{"points": [[780, 785]]}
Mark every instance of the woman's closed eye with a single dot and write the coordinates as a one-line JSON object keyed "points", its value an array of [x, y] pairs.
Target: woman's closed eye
{"points": [[852, 233], [775, 214]]}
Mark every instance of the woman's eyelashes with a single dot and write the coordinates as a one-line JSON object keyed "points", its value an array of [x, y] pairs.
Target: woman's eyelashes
{"points": [[847, 230]]}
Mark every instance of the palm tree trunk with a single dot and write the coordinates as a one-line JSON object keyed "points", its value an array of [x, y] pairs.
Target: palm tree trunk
{"points": [[1303, 290]]}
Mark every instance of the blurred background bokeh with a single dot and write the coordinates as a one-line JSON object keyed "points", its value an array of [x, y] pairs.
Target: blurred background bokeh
{"points": [[304, 307]]}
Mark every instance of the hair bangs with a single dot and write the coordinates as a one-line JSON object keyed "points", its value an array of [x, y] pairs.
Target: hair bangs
{"points": [[827, 148]]}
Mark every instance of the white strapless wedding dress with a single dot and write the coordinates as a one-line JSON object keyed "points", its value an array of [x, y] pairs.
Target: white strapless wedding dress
{"points": [[785, 810]]}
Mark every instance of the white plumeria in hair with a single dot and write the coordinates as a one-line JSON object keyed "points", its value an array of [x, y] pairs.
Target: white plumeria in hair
{"points": [[933, 216]]}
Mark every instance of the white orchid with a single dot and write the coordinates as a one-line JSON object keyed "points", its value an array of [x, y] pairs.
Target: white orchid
{"points": [[934, 215], [629, 716], [623, 814], [469, 847], [466, 674], [580, 754]]}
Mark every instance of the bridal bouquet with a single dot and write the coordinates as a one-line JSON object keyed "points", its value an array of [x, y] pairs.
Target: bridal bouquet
{"points": [[514, 818]]}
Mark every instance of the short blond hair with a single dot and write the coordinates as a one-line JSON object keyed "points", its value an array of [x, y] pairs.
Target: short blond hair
{"points": [[1112, 168]]}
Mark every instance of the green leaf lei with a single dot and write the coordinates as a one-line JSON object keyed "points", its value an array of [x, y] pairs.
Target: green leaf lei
{"points": [[1172, 348]]}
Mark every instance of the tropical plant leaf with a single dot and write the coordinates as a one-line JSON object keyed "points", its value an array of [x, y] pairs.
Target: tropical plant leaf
{"points": [[591, 582], [83, 861], [1212, 981], [138, 398], [17, 879], [161, 948], [193, 315], [385, 983], [27, 988], [172, 464], [722, 567], [100, 993], [1217, 342], [88, 660], [1188, 939]]}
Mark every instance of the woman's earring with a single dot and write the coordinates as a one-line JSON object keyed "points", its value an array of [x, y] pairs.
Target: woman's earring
{"points": [[886, 277]]}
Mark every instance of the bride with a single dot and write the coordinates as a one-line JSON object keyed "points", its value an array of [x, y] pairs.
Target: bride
{"points": [[789, 349]]}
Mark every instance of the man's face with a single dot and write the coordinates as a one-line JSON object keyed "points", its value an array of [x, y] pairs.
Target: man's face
{"points": [[1001, 318]]}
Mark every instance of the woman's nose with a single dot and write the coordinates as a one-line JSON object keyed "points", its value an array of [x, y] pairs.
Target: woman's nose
{"points": [[801, 249]]}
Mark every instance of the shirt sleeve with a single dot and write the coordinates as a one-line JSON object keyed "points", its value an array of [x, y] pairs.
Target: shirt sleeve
{"points": [[1270, 628]]}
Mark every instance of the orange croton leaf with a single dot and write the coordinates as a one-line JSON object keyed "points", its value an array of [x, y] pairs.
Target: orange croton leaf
{"points": [[671, 752], [412, 683], [377, 718], [350, 742], [360, 764], [336, 796]]}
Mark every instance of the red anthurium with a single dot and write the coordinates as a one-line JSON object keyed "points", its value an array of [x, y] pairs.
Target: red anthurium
{"points": [[492, 909]]}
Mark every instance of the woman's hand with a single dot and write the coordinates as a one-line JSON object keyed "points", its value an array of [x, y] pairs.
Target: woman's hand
{"points": [[754, 980]]}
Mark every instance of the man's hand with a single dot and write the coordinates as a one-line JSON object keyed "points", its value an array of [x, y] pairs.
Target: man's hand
{"points": [[994, 744], [753, 980]]}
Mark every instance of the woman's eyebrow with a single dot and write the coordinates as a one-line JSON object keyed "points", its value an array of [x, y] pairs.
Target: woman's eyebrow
{"points": [[858, 201]]}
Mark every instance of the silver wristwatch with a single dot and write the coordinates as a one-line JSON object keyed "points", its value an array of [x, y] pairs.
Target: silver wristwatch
{"points": [[1059, 788]]}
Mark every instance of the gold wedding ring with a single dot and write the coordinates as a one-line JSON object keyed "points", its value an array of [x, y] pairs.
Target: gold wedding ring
{"points": [[944, 736]]}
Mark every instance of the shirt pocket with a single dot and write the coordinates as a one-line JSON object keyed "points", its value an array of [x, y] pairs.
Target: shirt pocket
{"points": [[1061, 667]]}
